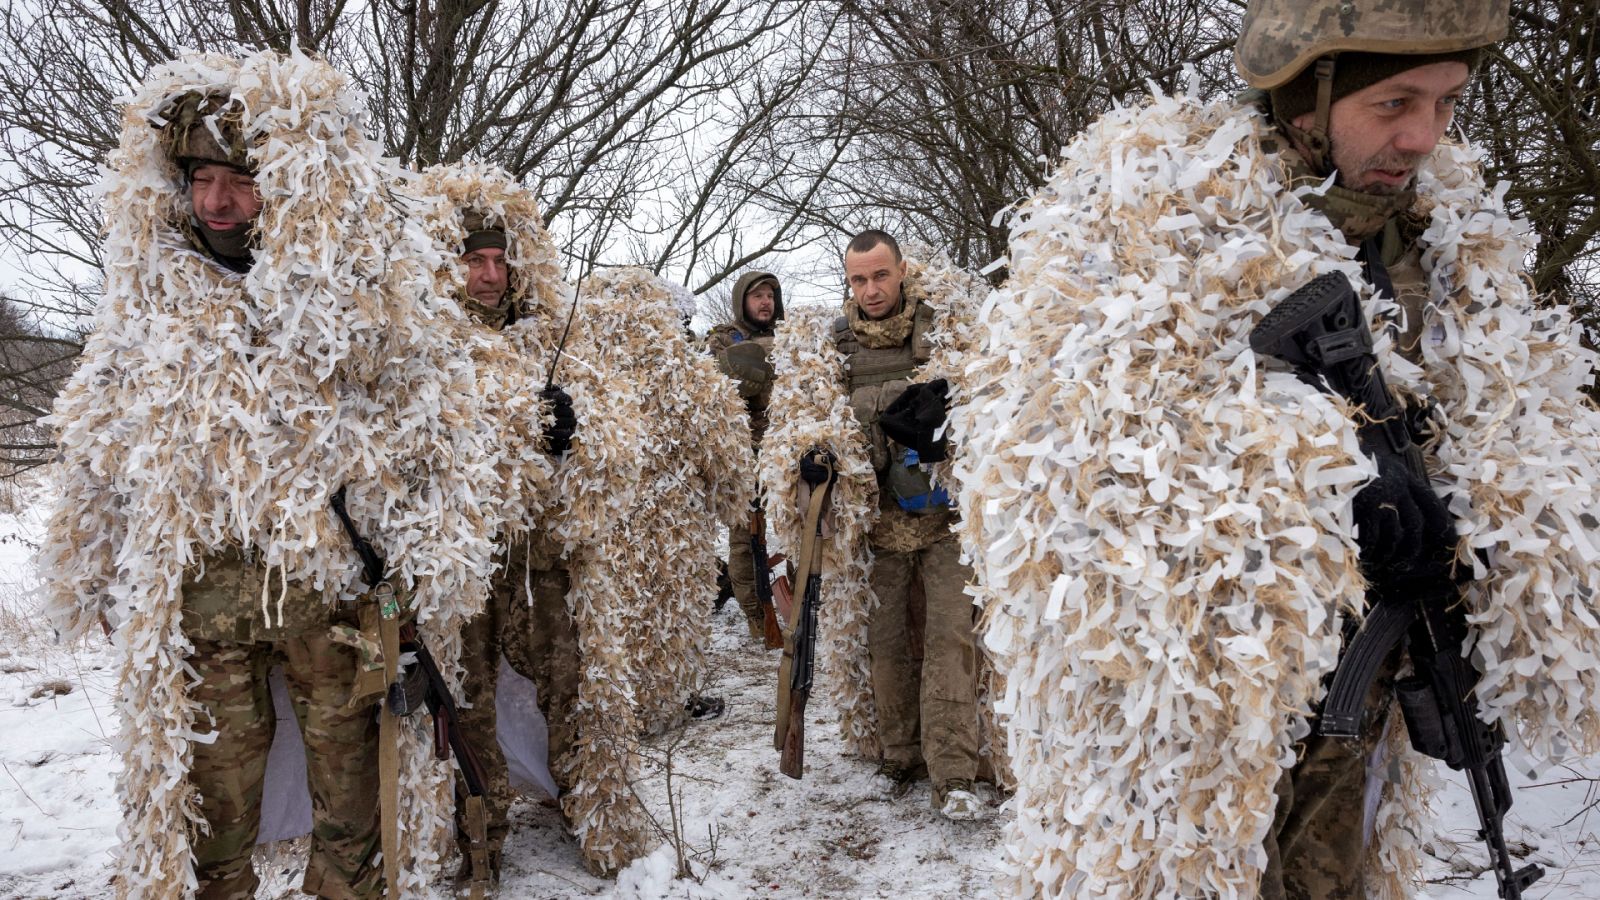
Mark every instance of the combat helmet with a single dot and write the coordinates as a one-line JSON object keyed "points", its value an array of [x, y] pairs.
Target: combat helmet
{"points": [[202, 127], [1280, 38]]}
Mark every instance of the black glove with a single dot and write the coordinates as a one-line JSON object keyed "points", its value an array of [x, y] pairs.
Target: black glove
{"points": [[915, 416], [558, 437], [1404, 530], [816, 467], [747, 363]]}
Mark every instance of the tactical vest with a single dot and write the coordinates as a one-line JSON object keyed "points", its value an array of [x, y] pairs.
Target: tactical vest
{"points": [[874, 377], [868, 366]]}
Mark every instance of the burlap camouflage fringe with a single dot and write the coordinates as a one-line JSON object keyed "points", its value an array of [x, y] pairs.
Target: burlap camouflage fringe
{"points": [[641, 594], [214, 410], [589, 493], [1162, 533], [811, 409]]}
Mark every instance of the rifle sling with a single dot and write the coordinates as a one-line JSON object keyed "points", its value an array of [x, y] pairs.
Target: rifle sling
{"points": [[389, 752], [810, 552], [810, 539]]}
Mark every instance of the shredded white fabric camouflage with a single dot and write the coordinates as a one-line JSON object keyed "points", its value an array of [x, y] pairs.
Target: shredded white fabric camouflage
{"points": [[1162, 531], [213, 410]]}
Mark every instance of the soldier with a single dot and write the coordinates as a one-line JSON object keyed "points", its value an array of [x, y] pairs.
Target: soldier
{"points": [[1169, 561], [526, 618], [741, 349], [235, 643], [1367, 106], [927, 716]]}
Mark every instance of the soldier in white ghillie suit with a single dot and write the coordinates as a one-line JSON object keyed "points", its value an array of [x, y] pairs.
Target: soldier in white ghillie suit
{"points": [[268, 341], [1173, 532]]}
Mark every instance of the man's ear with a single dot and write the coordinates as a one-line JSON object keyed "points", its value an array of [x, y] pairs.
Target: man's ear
{"points": [[903, 268]]}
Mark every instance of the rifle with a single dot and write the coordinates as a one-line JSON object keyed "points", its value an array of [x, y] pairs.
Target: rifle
{"points": [[1320, 332], [800, 651], [405, 695], [758, 552]]}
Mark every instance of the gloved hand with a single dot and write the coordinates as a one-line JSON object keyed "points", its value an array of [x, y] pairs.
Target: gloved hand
{"points": [[558, 437], [1404, 529], [816, 467], [915, 416], [747, 363]]}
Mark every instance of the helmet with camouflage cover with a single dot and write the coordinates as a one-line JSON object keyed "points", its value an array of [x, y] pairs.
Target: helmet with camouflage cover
{"points": [[1280, 38], [201, 127]]}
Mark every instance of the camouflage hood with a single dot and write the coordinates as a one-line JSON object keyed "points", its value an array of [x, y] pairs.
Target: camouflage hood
{"points": [[480, 195], [742, 287]]}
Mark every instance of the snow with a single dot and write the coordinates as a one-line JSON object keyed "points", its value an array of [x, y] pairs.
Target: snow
{"points": [[747, 830]]}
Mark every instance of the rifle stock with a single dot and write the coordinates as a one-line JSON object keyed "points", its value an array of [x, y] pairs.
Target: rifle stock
{"points": [[799, 651], [1320, 332], [772, 634]]}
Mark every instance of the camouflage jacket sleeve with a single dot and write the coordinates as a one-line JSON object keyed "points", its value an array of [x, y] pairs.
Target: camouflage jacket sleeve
{"points": [[752, 376], [719, 339]]}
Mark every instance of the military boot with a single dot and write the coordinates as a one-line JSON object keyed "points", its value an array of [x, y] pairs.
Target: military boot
{"points": [[896, 779], [956, 801]]}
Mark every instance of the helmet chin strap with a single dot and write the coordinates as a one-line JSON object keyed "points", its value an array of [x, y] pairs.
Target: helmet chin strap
{"points": [[1316, 143], [1324, 95], [1359, 215]]}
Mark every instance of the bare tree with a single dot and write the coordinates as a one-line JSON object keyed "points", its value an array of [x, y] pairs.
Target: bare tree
{"points": [[33, 365], [1536, 109], [642, 125], [945, 112]]}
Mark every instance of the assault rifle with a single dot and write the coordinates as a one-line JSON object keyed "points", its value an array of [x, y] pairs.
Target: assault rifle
{"points": [[413, 688], [800, 650], [763, 565], [1320, 332]]}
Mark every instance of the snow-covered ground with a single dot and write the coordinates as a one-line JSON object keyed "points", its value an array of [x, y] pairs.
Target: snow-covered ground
{"points": [[747, 831]]}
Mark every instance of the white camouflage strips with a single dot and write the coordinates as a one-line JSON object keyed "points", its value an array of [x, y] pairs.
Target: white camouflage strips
{"points": [[642, 593], [810, 409], [329, 364], [1161, 533]]}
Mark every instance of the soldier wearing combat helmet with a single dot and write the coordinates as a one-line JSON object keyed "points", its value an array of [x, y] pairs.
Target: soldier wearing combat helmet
{"points": [[1363, 92], [235, 643], [1205, 294], [223, 202]]}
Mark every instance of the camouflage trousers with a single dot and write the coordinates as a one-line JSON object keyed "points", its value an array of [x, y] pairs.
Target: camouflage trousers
{"points": [[1317, 848], [938, 699], [341, 762], [742, 572], [540, 641]]}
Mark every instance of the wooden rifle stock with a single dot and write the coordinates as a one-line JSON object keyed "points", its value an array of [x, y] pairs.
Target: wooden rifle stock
{"points": [[799, 651], [772, 633]]}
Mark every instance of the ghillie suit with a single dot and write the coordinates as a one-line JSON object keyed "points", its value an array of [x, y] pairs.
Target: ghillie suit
{"points": [[585, 496], [215, 412], [1162, 533], [551, 510], [811, 408], [642, 595]]}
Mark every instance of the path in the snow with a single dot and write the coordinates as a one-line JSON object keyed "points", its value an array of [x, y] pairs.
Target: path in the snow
{"points": [[749, 831]]}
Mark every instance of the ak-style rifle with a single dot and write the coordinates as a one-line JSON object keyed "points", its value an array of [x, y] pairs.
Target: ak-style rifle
{"points": [[795, 672], [772, 633], [1320, 332]]}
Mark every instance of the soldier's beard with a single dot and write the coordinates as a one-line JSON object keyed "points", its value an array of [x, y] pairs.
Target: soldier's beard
{"points": [[1383, 160]]}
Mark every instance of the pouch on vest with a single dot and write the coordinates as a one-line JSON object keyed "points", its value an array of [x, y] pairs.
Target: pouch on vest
{"points": [[912, 486]]}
